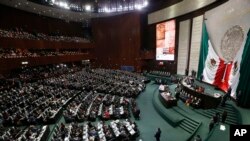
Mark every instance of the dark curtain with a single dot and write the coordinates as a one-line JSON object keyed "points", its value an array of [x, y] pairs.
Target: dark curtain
{"points": [[244, 81]]}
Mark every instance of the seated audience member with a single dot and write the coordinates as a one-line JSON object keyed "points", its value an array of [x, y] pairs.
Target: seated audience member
{"points": [[196, 103], [106, 115], [178, 91], [189, 100]]}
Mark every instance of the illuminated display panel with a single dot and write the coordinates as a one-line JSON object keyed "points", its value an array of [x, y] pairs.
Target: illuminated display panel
{"points": [[165, 40]]}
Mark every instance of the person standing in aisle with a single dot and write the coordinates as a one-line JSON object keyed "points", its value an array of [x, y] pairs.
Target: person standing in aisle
{"points": [[158, 134], [211, 125], [224, 116], [197, 138]]}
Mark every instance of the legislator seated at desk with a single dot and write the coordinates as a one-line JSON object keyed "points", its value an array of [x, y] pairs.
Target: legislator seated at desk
{"points": [[200, 89], [189, 81], [167, 100], [163, 88]]}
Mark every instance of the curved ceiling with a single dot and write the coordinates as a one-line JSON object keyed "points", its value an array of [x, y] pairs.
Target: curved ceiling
{"points": [[97, 6], [53, 12], [68, 15]]}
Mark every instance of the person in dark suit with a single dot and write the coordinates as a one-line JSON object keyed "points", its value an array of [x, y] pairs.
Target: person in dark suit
{"points": [[238, 97], [178, 91], [228, 94], [201, 77], [158, 134], [218, 116], [225, 97], [211, 125], [197, 138], [224, 116], [215, 118], [138, 112]]}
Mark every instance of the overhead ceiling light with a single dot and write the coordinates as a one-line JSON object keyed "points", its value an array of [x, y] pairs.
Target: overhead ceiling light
{"points": [[138, 6], [63, 5], [106, 10], [87, 7]]}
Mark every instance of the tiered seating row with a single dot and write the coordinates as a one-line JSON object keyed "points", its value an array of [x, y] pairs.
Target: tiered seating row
{"points": [[34, 104], [36, 133], [116, 130]]}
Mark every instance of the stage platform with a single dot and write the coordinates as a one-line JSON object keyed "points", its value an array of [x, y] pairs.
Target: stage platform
{"points": [[196, 121]]}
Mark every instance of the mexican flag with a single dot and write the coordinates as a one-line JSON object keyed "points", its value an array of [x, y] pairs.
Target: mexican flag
{"points": [[214, 69]]}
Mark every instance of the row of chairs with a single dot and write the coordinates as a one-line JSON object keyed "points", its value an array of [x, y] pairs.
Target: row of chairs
{"points": [[189, 99]]}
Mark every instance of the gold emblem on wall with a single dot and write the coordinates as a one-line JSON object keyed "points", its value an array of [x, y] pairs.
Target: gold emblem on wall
{"points": [[231, 42]]}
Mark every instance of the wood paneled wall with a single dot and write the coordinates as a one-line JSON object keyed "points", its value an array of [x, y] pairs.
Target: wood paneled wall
{"points": [[117, 41]]}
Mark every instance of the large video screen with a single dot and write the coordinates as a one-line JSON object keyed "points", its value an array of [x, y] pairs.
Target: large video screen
{"points": [[165, 40]]}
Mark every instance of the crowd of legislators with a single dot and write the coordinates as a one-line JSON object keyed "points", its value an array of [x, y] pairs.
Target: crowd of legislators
{"points": [[41, 95], [164, 77], [90, 106], [32, 74], [35, 133], [19, 33], [34, 103], [5, 83], [22, 53], [160, 73], [114, 82], [122, 130]]}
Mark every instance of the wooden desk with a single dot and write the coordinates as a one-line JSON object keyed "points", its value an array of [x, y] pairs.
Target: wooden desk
{"points": [[167, 100]]}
